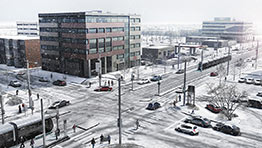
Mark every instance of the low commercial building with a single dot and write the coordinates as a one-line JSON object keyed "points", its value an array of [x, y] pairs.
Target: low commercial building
{"points": [[16, 50], [198, 39], [157, 53]]}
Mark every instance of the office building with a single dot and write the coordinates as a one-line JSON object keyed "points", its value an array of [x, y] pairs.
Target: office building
{"points": [[228, 29], [72, 43], [27, 28], [15, 50]]}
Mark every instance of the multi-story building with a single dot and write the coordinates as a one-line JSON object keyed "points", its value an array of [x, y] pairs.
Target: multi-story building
{"points": [[226, 28], [27, 28], [15, 50], [72, 43]]}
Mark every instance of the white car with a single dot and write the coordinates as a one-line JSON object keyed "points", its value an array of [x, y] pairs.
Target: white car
{"points": [[187, 128], [250, 81], [242, 80], [257, 82], [143, 81]]}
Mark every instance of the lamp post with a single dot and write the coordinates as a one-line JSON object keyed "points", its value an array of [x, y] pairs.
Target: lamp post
{"points": [[158, 84]]}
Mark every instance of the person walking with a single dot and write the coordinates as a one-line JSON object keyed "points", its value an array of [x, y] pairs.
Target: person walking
{"points": [[93, 142], [137, 124], [108, 82], [37, 96], [32, 143], [101, 138], [19, 109], [74, 128], [51, 76], [17, 92], [108, 139], [112, 83], [22, 139]]}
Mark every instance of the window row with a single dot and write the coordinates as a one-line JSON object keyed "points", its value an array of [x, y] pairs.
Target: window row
{"points": [[82, 30], [49, 47], [26, 28], [105, 19], [120, 56], [75, 51], [135, 37], [137, 53], [136, 28], [135, 20], [75, 41], [135, 45], [61, 19]]}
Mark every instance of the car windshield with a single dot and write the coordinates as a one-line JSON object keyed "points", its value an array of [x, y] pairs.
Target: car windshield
{"points": [[186, 126]]}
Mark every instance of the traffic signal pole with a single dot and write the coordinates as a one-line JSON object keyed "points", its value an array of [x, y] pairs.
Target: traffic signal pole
{"points": [[119, 112]]}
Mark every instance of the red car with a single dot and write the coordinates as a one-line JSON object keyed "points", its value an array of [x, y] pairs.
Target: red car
{"points": [[213, 74], [104, 88], [213, 108]]}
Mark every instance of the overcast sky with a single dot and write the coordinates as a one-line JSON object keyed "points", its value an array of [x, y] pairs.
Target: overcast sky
{"points": [[152, 11]]}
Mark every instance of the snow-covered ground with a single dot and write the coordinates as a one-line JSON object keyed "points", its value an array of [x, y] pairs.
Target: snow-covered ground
{"points": [[89, 108]]}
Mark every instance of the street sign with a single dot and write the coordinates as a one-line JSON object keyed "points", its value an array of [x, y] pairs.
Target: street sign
{"points": [[97, 66]]}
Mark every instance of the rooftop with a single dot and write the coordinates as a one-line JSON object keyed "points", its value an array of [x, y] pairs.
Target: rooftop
{"points": [[157, 47]]}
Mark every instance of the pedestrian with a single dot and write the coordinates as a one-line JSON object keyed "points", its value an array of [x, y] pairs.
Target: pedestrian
{"points": [[51, 76], [179, 98], [112, 82], [17, 92], [93, 142], [108, 82], [174, 103], [192, 111], [109, 139], [101, 138], [22, 140], [137, 124], [225, 78], [19, 109], [90, 84], [74, 128], [105, 83], [32, 142], [37, 96]]}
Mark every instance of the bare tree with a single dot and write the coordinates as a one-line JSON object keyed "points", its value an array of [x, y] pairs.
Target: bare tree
{"points": [[240, 64], [224, 96], [221, 70]]}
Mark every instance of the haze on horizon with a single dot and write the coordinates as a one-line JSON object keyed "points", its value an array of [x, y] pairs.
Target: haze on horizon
{"points": [[152, 11]]}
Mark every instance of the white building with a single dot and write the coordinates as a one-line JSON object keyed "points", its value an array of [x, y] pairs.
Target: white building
{"points": [[27, 28]]}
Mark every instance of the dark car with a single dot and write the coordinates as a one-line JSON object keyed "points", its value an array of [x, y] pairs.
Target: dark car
{"points": [[104, 88], [213, 108], [153, 106], [204, 122], [59, 83], [228, 129], [59, 104], [254, 103], [180, 71], [156, 78], [213, 74], [15, 84], [43, 79]]}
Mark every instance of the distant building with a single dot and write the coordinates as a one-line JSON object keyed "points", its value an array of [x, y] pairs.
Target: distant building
{"points": [[228, 29], [15, 50], [27, 28], [157, 53], [72, 43], [199, 39]]}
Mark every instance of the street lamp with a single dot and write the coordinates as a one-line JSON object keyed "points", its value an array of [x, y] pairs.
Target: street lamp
{"points": [[158, 84]]}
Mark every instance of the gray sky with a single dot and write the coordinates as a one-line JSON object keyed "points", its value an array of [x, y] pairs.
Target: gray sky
{"points": [[152, 11]]}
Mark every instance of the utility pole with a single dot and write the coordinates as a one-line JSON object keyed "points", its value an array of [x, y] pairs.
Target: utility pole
{"points": [[178, 58], [57, 123], [119, 111], [100, 69], [43, 121], [2, 109], [257, 54], [228, 61], [158, 92], [202, 59], [184, 87], [28, 85], [132, 79]]}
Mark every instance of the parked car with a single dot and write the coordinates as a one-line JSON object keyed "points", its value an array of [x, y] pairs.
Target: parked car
{"points": [[228, 129], [15, 84], [213, 74], [180, 71], [254, 103], [213, 108], [259, 94], [242, 80], [143, 81], [153, 106], [59, 83], [104, 88], [187, 128], [257, 82], [43, 79], [156, 78], [204, 122], [250, 81], [59, 104]]}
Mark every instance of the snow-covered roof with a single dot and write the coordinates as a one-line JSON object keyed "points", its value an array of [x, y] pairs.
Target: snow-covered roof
{"points": [[158, 47], [20, 37]]}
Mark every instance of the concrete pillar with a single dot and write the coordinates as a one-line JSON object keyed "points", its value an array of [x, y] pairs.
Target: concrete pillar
{"points": [[85, 68], [105, 65], [89, 68]]}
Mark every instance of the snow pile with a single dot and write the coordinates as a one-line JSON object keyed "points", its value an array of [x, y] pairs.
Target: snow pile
{"points": [[13, 100]]}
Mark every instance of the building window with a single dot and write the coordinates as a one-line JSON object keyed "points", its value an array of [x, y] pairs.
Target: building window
{"points": [[92, 30], [138, 53], [101, 42], [121, 38], [133, 28], [132, 54], [92, 43], [101, 30], [92, 51], [137, 29], [132, 20], [114, 38], [100, 50], [115, 48], [137, 45], [108, 29], [137, 20], [132, 37], [132, 46], [108, 49], [137, 37], [120, 56], [108, 42]]}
